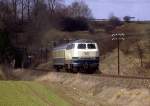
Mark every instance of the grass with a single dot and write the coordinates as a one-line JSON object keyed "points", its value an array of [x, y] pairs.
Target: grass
{"points": [[23, 93]]}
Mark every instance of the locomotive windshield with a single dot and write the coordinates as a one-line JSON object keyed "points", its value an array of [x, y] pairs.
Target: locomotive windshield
{"points": [[81, 46], [88, 46], [91, 46]]}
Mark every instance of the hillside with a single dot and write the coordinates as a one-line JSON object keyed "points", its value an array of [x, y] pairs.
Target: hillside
{"points": [[88, 90], [137, 37], [135, 47]]}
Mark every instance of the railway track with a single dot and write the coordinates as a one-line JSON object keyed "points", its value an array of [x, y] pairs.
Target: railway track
{"points": [[100, 75], [123, 76]]}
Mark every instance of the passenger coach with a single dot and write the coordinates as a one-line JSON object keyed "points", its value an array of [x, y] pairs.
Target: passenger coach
{"points": [[79, 55]]}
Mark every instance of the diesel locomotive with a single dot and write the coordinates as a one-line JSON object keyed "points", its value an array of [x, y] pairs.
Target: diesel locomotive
{"points": [[78, 55]]}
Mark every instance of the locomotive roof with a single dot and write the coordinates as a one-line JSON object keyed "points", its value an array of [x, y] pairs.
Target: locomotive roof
{"points": [[76, 41], [60, 47], [83, 41]]}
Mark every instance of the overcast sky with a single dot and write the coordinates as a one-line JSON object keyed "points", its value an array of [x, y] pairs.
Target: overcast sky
{"points": [[103, 8]]}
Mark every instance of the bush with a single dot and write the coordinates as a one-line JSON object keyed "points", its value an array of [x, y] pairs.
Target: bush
{"points": [[74, 24], [109, 28], [115, 21], [6, 49]]}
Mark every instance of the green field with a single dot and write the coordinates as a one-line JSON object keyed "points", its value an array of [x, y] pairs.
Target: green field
{"points": [[23, 93]]}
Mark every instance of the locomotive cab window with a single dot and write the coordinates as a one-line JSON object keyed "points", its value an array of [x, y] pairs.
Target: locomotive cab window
{"points": [[91, 46], [81, 46], [71, 46]]}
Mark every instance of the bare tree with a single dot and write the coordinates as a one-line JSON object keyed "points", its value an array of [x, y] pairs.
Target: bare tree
{"points": [[115, 21], [79, 9], [22, 10], [14, 8], [140, 53], [28, 8], [52, 5]]}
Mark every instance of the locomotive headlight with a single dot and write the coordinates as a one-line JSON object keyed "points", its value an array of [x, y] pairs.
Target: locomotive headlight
{"points": [[96, 58], [75, 58]]}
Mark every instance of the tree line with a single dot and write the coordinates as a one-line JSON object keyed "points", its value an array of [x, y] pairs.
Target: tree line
{"points": [[23, 22]]}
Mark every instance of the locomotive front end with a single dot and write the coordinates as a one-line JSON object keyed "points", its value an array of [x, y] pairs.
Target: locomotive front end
{"points": [[86, 56]]}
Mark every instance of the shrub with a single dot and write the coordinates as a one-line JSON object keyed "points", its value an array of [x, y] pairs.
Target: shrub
{"points": [[74, 24]]}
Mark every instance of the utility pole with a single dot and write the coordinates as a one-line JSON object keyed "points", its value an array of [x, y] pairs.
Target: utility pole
{"points": [[118, 41], [118, 37]]}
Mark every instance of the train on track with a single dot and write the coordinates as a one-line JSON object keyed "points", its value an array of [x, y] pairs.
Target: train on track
{"points": [[77, 56]]}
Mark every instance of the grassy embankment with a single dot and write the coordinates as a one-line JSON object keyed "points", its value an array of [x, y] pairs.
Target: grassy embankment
{"points": [[21, 93]]}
